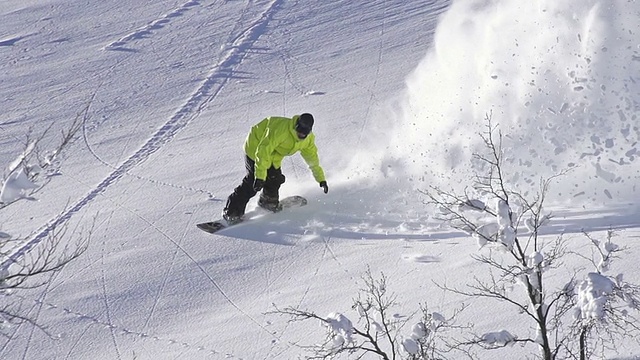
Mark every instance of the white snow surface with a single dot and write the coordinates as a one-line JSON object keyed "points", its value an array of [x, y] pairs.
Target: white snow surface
{"points": [[399, 89]]}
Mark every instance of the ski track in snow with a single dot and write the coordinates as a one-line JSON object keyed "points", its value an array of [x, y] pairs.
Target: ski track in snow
{"points": [[94, 320], [169, 269], [218, 77], [147, 30], [101, 282], [104, 320]]}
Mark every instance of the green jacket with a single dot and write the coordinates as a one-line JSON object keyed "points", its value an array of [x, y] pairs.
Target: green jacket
{"points": [[273, 138]]}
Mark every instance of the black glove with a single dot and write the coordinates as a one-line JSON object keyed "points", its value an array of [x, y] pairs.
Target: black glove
{"points": [[258, 184], [323, 185]]}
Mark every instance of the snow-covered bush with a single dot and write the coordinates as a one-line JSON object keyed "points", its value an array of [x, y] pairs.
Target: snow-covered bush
{"points": [[33, 167], [605, 305], [506, 226], [376, 332], [31, 171]]}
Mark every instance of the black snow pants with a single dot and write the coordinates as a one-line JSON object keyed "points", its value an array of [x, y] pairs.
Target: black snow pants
{"points": [[237, 201]]}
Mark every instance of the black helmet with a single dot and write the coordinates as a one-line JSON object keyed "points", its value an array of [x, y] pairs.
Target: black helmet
{"points": [[304, 124]]}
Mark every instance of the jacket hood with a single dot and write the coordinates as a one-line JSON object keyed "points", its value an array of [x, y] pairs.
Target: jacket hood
{"points": [[292, 127]]}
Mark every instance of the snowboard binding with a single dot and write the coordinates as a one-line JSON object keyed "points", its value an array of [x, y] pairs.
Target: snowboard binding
{"points": [[269, 203]]}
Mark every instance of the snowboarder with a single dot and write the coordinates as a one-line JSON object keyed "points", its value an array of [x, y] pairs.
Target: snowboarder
{"points": [[268, 142]]}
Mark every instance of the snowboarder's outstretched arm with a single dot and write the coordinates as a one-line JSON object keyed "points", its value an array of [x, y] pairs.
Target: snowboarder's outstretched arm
{"points": [[310, 156]]}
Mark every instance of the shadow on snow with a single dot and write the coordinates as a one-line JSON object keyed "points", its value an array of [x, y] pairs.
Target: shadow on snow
{"points": [[313, 222]]}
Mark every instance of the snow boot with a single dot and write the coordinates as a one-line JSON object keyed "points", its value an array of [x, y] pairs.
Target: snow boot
{"points": [[269, 203], [232, 219]]}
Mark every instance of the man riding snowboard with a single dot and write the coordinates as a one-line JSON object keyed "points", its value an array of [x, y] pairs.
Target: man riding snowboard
{"points": [[268, 142]]}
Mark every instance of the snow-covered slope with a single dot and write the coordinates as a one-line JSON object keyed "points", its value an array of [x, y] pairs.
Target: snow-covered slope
{"points": [[173, 87]]}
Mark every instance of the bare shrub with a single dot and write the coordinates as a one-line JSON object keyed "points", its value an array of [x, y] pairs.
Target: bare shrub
{"points": [[377, 332], [506, 225], [27, 264]]}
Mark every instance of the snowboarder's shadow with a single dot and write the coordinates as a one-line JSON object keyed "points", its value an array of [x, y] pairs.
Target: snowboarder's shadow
{"points": [[290, 226]]}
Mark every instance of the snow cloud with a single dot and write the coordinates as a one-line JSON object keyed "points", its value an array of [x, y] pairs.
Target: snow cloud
{"points": [[559, 78]]}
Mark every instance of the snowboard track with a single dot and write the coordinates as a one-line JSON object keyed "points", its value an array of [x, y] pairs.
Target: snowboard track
{"points": [[123, 331], [140, 33], [218, 77]]}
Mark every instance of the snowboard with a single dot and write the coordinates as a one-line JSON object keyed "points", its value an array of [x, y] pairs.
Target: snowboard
{"points": [[286, 203]]}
